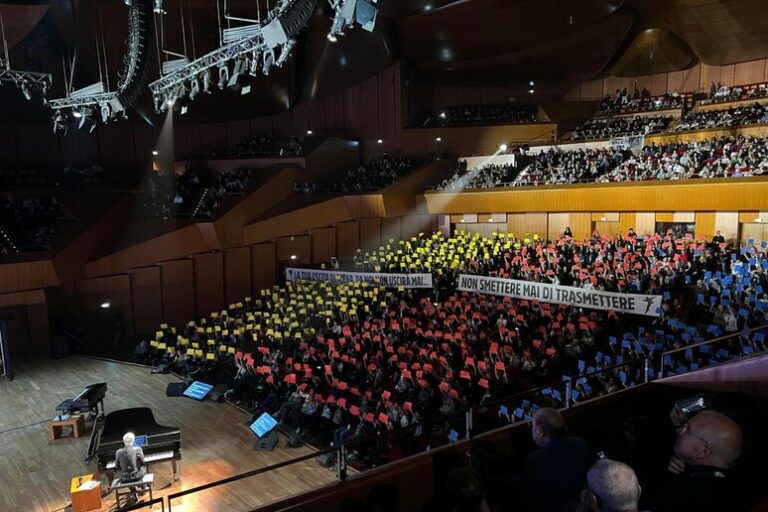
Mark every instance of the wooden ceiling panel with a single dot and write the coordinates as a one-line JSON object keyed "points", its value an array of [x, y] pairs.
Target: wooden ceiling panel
{"points": [[577, 56], [655, 50], [477, 30]]}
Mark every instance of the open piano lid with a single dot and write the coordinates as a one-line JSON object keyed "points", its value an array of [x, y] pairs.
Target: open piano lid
{"points": [[140, 421]]}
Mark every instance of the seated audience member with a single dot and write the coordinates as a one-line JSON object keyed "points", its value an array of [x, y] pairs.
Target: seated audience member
{"points": [[706, 449], [612, 486], [555, 473]]}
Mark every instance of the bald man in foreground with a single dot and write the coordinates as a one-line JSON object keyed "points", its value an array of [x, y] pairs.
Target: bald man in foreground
{"points": [[706, 448], [554, 474], [612, 486]]}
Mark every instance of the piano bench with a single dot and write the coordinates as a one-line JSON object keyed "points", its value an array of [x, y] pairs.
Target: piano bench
{"points": [[123, 489], [76, 422]]}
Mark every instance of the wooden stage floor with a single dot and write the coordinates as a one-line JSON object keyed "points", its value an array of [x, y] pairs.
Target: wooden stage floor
{"points": [[35, 472]]}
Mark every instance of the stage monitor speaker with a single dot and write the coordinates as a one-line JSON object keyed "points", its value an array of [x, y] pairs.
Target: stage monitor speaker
{"points": [[294, 440], [327, 460], [175, 389], [266, 443], [251, 415]]}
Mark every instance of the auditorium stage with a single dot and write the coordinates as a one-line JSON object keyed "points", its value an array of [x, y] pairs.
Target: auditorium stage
{"points": [[35, 472]]}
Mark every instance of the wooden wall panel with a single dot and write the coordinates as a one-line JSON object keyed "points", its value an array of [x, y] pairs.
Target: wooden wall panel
{"points": [[556, 224], [347, 239], [177, 278], [209, 283], [412, 225], [390, 230], [581, 224], [645, 223], [298, 246], [628, 220], [728, 224], [705, 224], [100, 325], [607, 228], [237, 274], [323, 244], [146, 299], [263, 267], [753, 231], [522, 224], [370, 234], [690, 195], [694, 79]]}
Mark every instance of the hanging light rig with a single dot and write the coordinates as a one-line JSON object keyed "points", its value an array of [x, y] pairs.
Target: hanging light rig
{"points": [[96, 101], [30, 83], [255, 46]]}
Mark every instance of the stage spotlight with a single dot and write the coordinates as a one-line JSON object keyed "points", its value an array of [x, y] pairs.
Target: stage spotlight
{"points": [[207, 81], [159, 8], [26, 89], [285, 52], [253, 69], [194, 89], [223, 75], [234, 81], [105, 305], [158, 103], [77, 114], [503, 147], [379, 141], [155, 152], [59, 122], [105, 113], [269, 61]]}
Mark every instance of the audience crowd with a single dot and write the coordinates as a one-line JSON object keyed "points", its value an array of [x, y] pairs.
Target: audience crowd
{"points": [[260, 146], [722, 93], [725, 157], [29, 223], [487, 176], [622, 103], [193, 193], [734, 116], [555, 167], [605, 128], [475, 115], [376, 174], [339, 362]]}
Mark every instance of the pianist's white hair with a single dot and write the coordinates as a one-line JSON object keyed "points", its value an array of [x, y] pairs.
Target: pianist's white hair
{"points": [[128, 439]]}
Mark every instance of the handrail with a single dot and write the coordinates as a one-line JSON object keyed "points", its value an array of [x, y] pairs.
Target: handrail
{"points": [[234, 478], [145, 505], [706, 342]]}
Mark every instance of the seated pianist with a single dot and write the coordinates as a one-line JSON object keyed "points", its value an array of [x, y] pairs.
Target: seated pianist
{"points": [[129, 464]]}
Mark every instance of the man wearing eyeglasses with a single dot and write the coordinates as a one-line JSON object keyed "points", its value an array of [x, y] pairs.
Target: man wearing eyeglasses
{"points": [[707, 447]]}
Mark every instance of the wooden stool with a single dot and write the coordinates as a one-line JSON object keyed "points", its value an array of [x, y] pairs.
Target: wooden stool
{"points": [[76, 422], [123, 490]]}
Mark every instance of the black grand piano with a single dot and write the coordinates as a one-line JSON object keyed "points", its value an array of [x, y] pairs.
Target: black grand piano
{"points": [[158, 442], [89, 400]]}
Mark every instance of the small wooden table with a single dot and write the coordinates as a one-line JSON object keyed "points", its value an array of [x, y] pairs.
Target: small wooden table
{"points": [[76, 422], [85, 491]]}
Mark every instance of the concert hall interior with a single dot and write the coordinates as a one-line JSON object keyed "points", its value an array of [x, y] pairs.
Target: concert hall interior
{"points": [[383, 255]]}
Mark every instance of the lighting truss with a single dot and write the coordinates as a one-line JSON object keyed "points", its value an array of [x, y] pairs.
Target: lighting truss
{"points": [[255, 45], [347, 12], [107, 104], [28, 81]]}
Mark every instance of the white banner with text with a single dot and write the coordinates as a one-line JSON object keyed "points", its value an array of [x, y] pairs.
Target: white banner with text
{"points": [[647, 305], [332, 276]]}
